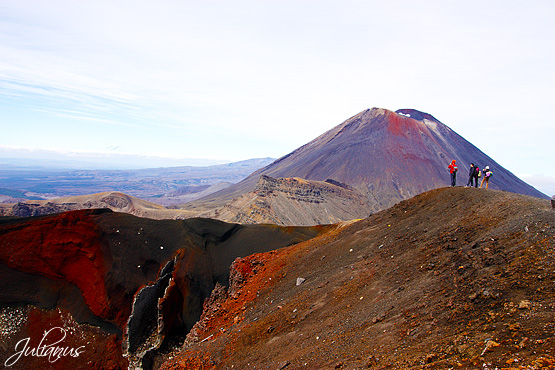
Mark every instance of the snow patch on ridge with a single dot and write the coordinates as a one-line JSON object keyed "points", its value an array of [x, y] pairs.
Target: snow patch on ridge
{"points": [[431, 125]]}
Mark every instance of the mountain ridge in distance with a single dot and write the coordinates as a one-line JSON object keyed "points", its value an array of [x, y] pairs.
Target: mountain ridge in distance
{"points": [[112, 200], [152, 184], [295, 202]]}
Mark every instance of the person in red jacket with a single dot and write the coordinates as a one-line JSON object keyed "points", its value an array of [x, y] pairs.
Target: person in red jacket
{"points": [[453, 171]]}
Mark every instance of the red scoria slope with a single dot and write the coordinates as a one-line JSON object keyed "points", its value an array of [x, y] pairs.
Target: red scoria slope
{"points": [[72, 251], [452, 278], [58, 262]]}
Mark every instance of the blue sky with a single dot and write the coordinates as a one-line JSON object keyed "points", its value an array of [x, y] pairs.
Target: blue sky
{"points": [[232, 80]]}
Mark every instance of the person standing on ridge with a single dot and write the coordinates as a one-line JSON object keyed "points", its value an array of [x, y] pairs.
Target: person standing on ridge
{"points": [[470, 175], [486, 175], [476, 175], [453, 171]]}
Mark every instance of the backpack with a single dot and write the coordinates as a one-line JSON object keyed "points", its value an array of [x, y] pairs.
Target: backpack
{"points": [[479, 172], [489, 173]]}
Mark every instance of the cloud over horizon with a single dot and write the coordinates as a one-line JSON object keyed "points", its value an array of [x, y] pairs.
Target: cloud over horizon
{"points": [[256, 79]]}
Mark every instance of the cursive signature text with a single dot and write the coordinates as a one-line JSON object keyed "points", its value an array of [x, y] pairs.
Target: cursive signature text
{"points": [[52, 350]]}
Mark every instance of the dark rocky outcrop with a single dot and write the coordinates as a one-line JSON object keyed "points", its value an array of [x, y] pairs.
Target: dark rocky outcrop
{"points": [[27, 209]]}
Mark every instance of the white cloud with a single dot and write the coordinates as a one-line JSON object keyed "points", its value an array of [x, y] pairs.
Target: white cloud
{"points": [[545, 184]]}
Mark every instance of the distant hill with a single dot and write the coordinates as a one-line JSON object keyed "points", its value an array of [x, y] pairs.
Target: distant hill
{"points": [[388, 156], [295, 202], [115, 201], [288, 202]]}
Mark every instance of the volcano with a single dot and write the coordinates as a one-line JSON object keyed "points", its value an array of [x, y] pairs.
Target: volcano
{"points": [[388, 156]]}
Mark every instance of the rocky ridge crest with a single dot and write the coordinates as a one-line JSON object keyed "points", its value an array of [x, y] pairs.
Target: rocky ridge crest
{"points": [[295, 201]]}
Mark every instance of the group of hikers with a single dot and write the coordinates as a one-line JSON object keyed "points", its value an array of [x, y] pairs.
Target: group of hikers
{"points": [[473, 174]]}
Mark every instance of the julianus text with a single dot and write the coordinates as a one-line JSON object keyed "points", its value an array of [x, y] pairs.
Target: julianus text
{"points": [[50, 350]]}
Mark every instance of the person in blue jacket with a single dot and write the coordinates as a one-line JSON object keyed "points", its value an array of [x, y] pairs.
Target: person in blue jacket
{"points": [[471, 173]]}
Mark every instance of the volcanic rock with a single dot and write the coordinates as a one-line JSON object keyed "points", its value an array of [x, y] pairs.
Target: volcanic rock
{"points": [[409, 316], [294, 201]]}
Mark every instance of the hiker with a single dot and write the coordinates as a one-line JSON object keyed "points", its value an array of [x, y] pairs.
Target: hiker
{"points": [[476, 175], [453, 171], [486, 174], [472, 175]]}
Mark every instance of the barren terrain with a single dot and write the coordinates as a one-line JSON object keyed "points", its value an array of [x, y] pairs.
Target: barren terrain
{"points": [[112, 200], [295, 202], [452, 278]]}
